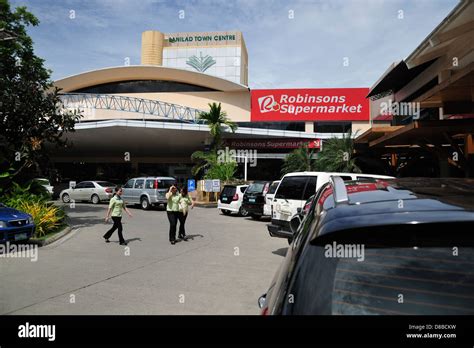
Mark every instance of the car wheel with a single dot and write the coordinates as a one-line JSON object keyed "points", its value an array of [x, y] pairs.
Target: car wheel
{"points": [[225, 212], [243, 212], [256, 217], [144, 203], [66, 198], [95, 199]]}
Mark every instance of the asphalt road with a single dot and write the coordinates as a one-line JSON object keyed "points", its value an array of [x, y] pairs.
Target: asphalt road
{"points": [[223, 269]]}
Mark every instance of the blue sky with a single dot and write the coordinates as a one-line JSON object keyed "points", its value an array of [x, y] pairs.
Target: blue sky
{"points": [[305, 51]]}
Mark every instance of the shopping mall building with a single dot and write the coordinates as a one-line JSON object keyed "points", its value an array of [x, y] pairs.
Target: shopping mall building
{"points": [[142, 119]]}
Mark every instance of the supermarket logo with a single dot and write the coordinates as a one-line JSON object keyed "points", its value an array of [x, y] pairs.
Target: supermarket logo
{"points": [[268, 104]]}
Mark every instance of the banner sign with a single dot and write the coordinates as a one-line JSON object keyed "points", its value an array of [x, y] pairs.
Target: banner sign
{"points": [[312, 104], [271, 144]]}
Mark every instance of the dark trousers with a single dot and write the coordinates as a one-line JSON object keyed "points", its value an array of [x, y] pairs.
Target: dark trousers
{"points": [[182, 221], [117, 226], [173, 219]]}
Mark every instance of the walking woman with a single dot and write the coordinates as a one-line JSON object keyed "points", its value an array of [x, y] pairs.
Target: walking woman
{"points": [[116, 206], [172, 210], [184, 204]]}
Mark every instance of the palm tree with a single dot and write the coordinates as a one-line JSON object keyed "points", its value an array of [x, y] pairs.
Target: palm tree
{"points": [[337, 155], [299, 160], [215, 118]]}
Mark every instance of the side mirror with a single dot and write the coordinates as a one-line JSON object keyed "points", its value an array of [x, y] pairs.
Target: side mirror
{"points": [[261, 301]]}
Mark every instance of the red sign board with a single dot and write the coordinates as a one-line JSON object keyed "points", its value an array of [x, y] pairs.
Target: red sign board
{"points": [[313, 104], [269, 144]]}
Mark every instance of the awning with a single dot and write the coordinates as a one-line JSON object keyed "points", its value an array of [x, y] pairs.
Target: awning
{"points": [[426, 132]]}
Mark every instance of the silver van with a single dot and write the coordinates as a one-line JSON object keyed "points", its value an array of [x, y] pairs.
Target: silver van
{"points": [[147, 191]]}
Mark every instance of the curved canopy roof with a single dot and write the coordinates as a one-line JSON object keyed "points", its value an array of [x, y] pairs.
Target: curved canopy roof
{"points": [[146, 72]]}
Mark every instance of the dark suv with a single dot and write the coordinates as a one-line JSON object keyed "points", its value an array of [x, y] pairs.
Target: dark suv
{"points": [[402, 246], [254, 198]]}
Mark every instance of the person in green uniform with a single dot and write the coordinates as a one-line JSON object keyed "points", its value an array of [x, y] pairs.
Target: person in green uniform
{"points": [[116, 206], [184, 204], [172, 210]]}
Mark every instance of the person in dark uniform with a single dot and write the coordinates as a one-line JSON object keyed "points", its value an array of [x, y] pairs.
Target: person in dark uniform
{"points": [[116, 206]]}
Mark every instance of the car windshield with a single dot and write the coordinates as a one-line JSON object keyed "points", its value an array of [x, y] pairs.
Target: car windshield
{"points": [[256, 187], [105, 184]]}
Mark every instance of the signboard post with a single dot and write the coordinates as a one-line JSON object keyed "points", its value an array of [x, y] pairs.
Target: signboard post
{"points": [[216, 185], [207, 185], [191, 185]]}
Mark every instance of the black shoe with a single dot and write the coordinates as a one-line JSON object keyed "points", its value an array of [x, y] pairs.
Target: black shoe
{"points": [[173, 242], [106, 239], [184, 238], [123, 243]]}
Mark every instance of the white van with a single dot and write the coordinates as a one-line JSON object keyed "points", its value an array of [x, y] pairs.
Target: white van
{"points": [[294, 190], [267, 208]]}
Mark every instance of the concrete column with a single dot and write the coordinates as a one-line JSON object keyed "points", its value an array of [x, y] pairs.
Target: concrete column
{"points": [[152, 47]]}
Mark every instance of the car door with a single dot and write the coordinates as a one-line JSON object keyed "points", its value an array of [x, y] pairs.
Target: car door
{"points": [[87, 191], [127, 190], [77, 192]]}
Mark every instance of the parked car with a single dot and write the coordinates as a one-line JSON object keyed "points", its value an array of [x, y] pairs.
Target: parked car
{"points": [[292, 193], [147, 191], [254, 198], [15, 225], [399, 246], [46, 184], [230, 200], [267, 207], [90, 191]]}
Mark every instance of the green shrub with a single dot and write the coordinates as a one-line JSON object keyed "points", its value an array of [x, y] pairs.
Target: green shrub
{"points": [[47, 217]]}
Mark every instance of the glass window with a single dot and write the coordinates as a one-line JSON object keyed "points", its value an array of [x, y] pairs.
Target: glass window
{"points": [[256, 187], [129, 183], [150, 184], [105, 184], [292, 187], [243, 189], [171, 53], [139, 184], [273, 188], [332, 127], [80, 185], [89, 184], [420, 264], [310, 187], [228, 191], [166, 184]]}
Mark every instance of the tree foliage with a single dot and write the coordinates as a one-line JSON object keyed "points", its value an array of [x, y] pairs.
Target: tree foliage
{"points": [[31, 113], [337, 155], [299, 160]]}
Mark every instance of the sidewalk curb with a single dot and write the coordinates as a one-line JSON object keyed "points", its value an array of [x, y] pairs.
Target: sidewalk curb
{"points": [[206, 205], [53, 238]]}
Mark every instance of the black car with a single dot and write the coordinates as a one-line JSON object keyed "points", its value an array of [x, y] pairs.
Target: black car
{"points": [[401, 246], [254, 198]]}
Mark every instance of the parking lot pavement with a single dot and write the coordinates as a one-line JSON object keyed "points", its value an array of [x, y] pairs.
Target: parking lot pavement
{"points": [[223, 269]]}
